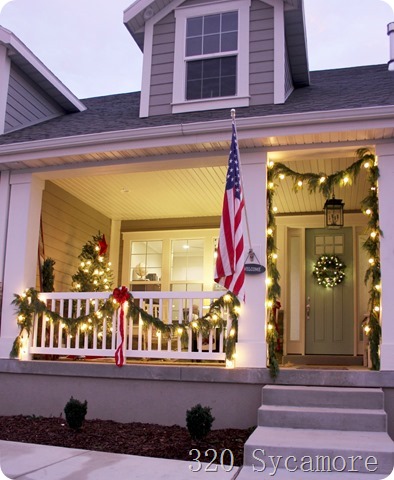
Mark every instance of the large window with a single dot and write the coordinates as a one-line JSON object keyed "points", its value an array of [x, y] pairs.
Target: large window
{"points": [[211, 56], [211, 36]]}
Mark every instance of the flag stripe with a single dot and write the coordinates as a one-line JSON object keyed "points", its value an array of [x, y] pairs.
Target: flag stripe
{"points": [[229, 271]]}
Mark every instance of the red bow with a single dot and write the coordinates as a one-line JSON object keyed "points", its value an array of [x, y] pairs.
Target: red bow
{"points": [[103, 245], [121, 295]]}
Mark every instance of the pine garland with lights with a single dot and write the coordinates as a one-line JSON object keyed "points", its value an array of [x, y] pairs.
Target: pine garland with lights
{"points": [[94, 273], [370, 207], [28, 304], [273, 277], [325, 184]]}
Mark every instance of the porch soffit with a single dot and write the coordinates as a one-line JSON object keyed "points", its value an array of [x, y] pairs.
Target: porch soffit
{"points": [[198, 192]]}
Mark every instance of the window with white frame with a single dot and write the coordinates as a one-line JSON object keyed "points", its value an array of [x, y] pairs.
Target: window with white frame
{"points": [[211, 56], [208, 73]]}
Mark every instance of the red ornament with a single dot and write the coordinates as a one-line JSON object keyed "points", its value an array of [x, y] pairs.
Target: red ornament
{"points": [[103, 245]]}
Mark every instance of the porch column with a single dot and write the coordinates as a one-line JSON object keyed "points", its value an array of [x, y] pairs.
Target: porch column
{"points": [[251, 346], [386, 181], [114, 250], [20, 267], [4, 203]]}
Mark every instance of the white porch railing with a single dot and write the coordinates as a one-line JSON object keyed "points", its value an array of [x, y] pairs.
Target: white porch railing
{"points": [[101, 340]]}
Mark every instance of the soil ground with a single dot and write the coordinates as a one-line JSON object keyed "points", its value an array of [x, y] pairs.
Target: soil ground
{"points": [[173, 442]]}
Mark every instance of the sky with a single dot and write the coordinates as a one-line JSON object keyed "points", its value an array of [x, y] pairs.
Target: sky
{"points": [[85, 44]]}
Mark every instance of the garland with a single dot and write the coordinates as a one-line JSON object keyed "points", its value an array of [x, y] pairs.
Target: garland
{"points": [[329, 271], [369, 205], [28, 304], [272, 280]]}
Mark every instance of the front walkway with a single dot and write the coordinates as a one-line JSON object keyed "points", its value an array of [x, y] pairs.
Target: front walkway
{"points": [[25, 461]]}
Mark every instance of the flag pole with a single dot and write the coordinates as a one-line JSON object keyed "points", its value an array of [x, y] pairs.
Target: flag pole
{"points": [[251, 254]]}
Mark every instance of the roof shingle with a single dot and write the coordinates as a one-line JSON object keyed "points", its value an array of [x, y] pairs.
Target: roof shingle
{"points": [[338, 89]]}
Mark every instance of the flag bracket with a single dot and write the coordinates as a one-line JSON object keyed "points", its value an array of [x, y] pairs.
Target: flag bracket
{"points": [[252, 264]]}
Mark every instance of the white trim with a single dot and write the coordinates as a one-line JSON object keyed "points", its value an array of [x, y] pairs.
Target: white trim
{"points": [[146, 70], [13, 44], [5, 68], [207, 104], [179, 102], [279, 53], [368, 118]]}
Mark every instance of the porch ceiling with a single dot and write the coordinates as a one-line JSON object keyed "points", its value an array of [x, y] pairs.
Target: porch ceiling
{"points": [[198, 192]]}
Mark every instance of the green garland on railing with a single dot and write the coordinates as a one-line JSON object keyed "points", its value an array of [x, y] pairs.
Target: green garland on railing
{"points": [[324, 184], [28, 304]]}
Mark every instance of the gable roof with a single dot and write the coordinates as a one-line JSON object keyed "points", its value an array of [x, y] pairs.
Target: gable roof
{"points": [[27, 62], [330, 90]]}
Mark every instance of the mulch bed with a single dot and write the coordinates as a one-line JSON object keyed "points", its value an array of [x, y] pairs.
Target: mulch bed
{"points": [[173, 442]]}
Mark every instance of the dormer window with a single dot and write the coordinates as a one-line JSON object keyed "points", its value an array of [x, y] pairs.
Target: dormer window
{"points": [[211, 56]]}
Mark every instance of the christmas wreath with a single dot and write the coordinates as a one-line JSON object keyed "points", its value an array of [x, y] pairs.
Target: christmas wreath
{"points": [[329, 271]]}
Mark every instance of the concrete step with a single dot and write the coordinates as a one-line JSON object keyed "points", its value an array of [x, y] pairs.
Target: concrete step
{"points": [[247, 473], [323, 418], [343, 449], [332, 397]]}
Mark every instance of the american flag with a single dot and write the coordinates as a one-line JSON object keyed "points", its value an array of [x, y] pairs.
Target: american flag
{"points": [[229, 271]]}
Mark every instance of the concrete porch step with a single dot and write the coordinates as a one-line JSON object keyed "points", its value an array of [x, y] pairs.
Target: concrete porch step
{"points": [[296, 444], [330, 397], [323, 418]]}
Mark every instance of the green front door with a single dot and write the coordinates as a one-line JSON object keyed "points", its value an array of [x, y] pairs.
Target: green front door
{"points": [[329, 311]]}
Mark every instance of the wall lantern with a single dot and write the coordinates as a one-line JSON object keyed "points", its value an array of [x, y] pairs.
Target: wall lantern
{"points": [[333, 209]]}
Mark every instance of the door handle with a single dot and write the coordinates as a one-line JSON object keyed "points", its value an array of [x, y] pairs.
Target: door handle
{"points": [[308, 308]]}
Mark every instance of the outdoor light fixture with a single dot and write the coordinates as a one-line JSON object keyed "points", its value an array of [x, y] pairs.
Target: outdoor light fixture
{"points": [[333, 212]]}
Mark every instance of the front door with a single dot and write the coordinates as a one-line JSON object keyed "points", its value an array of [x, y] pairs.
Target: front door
{"points": [[329, 310]]}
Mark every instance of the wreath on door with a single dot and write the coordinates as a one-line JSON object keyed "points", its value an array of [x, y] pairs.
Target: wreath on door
{"points": [[329, 271]]}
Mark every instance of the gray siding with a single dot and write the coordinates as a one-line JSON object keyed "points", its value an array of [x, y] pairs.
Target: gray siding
{"points": [[68, 224], [289, 87], [27, 104], [261, 63], [162, 66]]}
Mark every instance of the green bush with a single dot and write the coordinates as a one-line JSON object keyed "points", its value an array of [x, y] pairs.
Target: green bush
{"points": [[199, 421], [75, 412]]}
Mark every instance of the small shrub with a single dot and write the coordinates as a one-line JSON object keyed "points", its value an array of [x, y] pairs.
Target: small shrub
{"points": [[199, 421], [75, 412]]}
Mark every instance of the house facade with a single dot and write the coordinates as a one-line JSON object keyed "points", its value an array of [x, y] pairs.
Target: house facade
{"points": [[148, 169]]}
